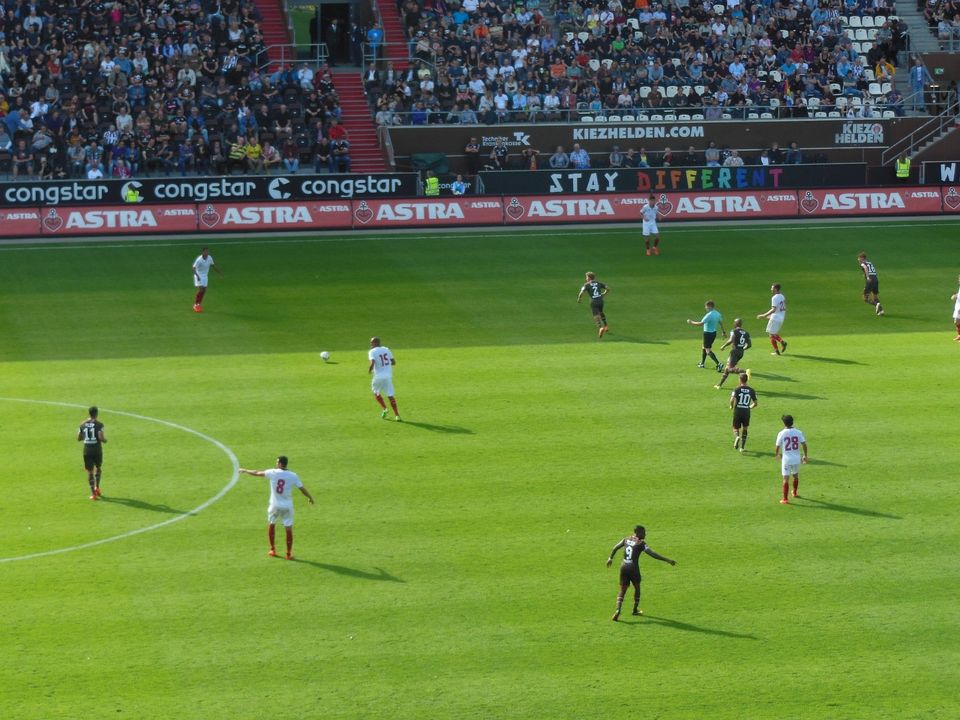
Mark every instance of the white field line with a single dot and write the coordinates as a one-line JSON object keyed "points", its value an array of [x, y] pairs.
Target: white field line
{"points": [[203, 506], [313, 236]]}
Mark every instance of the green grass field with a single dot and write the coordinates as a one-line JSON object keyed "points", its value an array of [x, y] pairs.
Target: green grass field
{"points": [[453, 566]]}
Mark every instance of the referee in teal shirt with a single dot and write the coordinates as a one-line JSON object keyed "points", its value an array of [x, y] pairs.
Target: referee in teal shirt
{"points": [[710, 322]]}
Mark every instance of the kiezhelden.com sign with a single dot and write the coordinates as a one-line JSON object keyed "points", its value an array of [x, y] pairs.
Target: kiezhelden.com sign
{"points": [[232, 188]]}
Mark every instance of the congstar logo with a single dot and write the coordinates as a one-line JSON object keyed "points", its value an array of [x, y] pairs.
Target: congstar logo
{"points": [[275, 189]]}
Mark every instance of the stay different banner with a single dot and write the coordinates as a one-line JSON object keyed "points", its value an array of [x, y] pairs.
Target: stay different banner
{"points": [[363, 214]]}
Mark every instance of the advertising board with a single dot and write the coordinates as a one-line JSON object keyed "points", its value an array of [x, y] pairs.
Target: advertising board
{"points": [[433, 212], [877, 201], [117, 220], [220, 217]]}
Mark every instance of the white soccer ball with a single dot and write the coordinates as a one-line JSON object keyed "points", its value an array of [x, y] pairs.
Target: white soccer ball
{"points": [[324, 356]]}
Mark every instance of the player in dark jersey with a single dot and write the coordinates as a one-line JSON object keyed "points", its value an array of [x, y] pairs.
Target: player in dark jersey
{"points": [[595, 290], [740, 339], [871, 283], [743, 399], [91, 435], [632, 546]]}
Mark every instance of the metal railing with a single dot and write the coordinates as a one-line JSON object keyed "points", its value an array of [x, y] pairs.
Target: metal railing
{"points": [[386, 145], [313, 53], [637, 116], [930, 130]]}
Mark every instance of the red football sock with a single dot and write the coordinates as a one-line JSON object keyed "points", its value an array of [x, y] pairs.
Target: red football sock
{"points": [[380, 400], [656, 242], [773, 341], [958, 328], [796, 484], [393, 404], [786, 487], [289, 541], [199, 298], [271, 533]]}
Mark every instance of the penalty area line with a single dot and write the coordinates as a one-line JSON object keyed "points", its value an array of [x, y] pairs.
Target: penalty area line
{"points": [[235, 476]]}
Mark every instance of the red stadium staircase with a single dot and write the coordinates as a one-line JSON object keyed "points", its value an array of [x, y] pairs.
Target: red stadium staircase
{"points": [[394, 35], [365, 153], [273, 26]]}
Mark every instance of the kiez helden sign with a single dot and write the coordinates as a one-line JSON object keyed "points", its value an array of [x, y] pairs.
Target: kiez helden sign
{"points": [[235, 188], [69, 221], [672, 179]]}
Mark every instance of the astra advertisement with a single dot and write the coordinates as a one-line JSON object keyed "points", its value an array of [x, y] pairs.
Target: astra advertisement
{"points": [[140, 219]]}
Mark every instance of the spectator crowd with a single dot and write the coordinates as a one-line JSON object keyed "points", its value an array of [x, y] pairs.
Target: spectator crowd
{"points": [[92, 89], [494, 61]]}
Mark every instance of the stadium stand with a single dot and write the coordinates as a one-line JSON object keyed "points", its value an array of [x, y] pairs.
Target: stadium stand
{"points": [[493, 61], [143, 87]]}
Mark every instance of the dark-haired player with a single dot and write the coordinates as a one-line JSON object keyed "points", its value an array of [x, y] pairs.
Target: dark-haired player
{"points": [[595, 290], [201, 270], [632, 546], [790, 440], [743, 399], [740, 339], [871, 283], [282, 483], [650, 229], [92, 437], [775, 317], [709, 322]]}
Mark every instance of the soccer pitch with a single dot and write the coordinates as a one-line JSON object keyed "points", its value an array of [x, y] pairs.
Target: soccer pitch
{"points": [[454, 565]]}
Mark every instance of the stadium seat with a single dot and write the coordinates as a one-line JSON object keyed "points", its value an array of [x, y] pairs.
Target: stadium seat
{"points": [[586, 118], [868, 75], [885, 88], [594, 64], [813, 103], [727, 116], [671, 91], [766, 116], [834, 114], [600, 118], [753, 116], [683, 116], [629, 118], [645, 91], [854, 21], [820, 114], [889, 114], [697, 116], [656, 118], [840, 102], [614, 118]]}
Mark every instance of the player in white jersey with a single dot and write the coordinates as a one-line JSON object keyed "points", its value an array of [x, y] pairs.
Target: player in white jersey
{"points": [[775, 317], [381, 365], [649, 213], [201, 270], [282, 483], [790, 442], [956, 312]]}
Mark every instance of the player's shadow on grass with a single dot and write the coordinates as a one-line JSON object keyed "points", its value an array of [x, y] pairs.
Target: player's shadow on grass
{"points": [[142, 505], [791, 395], [380, 573], [689, 627], [443, 429], [631, 339], [811, 461], [802, 502], [819, 358], [775, 378]]}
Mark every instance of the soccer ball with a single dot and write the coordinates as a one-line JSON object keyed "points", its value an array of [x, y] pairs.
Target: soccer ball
{"points": [[324, 356]]}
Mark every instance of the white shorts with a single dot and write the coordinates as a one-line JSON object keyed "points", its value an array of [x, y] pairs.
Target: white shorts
{"points": [[789, 468], [774, 325], [200, 281], [382, 386], [284, 513], [650, 228]]}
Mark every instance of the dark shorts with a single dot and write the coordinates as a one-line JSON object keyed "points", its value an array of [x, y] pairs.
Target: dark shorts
{"points": [[708, 338], [596, 306], [871, 285], [736, 355], [92, 458], [629, 574], [741, 418]]}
